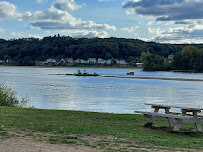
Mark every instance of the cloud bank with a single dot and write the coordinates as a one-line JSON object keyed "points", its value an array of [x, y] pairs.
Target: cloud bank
{"points": [[67, 5], [57, 17], [167, 10], [186, 14], [8, 11]]}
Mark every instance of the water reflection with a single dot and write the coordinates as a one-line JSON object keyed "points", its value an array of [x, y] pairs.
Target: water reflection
{"points": [[101, 94]]}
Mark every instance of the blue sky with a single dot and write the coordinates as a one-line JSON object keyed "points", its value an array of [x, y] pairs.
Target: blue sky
{"points": [[167, 21]]}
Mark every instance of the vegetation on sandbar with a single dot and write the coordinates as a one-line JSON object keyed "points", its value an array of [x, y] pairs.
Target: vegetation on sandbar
{"points": [[79, 73]]}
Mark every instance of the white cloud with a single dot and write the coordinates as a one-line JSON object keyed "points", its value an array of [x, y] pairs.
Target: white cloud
{"points": [[53, 18], [130, 11], [150, 23], [182, 34], [155, 31], [85, 33], [24, 35], [167, 10], [130, 29], [42, 1], [67, 5], [104, 0], [2, 30], [8, 10]]}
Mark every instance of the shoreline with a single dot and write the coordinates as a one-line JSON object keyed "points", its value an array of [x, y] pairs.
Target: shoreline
{"points": [[78, 67]]}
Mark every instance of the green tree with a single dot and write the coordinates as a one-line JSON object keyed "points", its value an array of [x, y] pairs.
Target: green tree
{"points": [[199, 61], [154, 62]]}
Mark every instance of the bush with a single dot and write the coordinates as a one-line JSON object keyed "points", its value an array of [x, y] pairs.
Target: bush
{"points": [[8, 97], [79, 73]]}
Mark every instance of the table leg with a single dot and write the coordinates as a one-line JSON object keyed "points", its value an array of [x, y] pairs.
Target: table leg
{"points": [[183, 112], [198, 126], [170, 120], [151, 120], [195, 114], [152, 117], [177, 126]]}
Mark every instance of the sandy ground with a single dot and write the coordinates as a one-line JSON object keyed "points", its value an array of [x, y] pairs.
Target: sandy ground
{"points": [[29, 145]]}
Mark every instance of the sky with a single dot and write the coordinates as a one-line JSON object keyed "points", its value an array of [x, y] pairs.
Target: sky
{"points": [[164, 21]]}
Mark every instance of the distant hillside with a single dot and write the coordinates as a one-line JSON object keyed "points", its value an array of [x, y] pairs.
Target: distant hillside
{"points": [[26, 51]]}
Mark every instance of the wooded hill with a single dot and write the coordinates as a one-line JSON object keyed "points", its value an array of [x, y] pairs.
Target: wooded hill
{"points": [[26, 51]]}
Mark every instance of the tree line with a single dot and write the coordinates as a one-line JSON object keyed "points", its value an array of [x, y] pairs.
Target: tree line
{"points": [[26, 51], [190, 58]]}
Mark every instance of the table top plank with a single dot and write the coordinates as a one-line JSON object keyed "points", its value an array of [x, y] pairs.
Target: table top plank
{"points": [[174, 106]]}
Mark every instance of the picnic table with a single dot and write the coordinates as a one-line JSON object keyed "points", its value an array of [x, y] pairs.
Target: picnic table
{"points": [[175, 120]]}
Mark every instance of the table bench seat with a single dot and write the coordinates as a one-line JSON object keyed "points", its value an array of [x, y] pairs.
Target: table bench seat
{"points": [[174, 119]]}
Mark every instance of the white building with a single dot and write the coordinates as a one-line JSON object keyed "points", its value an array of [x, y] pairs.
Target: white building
{"points": [[92, 60], [83, 61], [108, 61], [69, 61], [77, 61], [101, 61], [51, 60], [122, 62]]}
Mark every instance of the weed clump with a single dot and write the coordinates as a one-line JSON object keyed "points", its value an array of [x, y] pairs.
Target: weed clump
{"points": [[8, 97], [79, 73]]}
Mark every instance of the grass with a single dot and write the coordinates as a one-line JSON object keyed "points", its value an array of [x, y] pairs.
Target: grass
{"points": [[104, 130]]}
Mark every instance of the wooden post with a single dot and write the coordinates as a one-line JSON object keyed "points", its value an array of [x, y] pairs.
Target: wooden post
{"points": [[198, 126], [152, 117], [170, 120], [177, 126]]}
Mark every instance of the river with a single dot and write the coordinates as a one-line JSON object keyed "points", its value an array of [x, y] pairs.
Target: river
{"points": [[47, 90]]}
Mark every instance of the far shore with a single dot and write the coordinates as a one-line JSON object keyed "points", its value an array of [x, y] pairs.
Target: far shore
{"points": [[78, 67]]}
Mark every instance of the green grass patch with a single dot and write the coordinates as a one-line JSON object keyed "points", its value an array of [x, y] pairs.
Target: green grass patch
{"points": [[115, 129]]}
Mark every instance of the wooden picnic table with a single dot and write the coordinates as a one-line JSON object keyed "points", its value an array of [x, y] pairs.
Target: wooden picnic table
{"points": [[184, 110], [186, 114]]}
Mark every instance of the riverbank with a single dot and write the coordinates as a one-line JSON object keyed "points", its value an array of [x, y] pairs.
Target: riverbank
{"points": [[81, 66], [97, 131]]}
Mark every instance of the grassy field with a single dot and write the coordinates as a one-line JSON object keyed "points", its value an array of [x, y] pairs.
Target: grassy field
{"points": [[111, 132]]}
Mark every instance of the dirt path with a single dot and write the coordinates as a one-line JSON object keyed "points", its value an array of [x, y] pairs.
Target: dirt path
{"points": [[29, 145]]}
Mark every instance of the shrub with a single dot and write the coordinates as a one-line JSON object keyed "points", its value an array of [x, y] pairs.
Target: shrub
{"points": [[79, 73], [8, 97]]}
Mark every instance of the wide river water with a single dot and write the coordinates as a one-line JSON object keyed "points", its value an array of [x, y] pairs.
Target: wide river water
{"points": [[47, 90]]}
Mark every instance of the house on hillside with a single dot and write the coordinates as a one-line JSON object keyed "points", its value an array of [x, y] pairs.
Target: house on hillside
{"points": [[108, 61], [51, 60], [83, 61], [101, 61], [123, 62], [77, 61], [170, 57], [139, 65], [92, 60], [69, 61]]}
